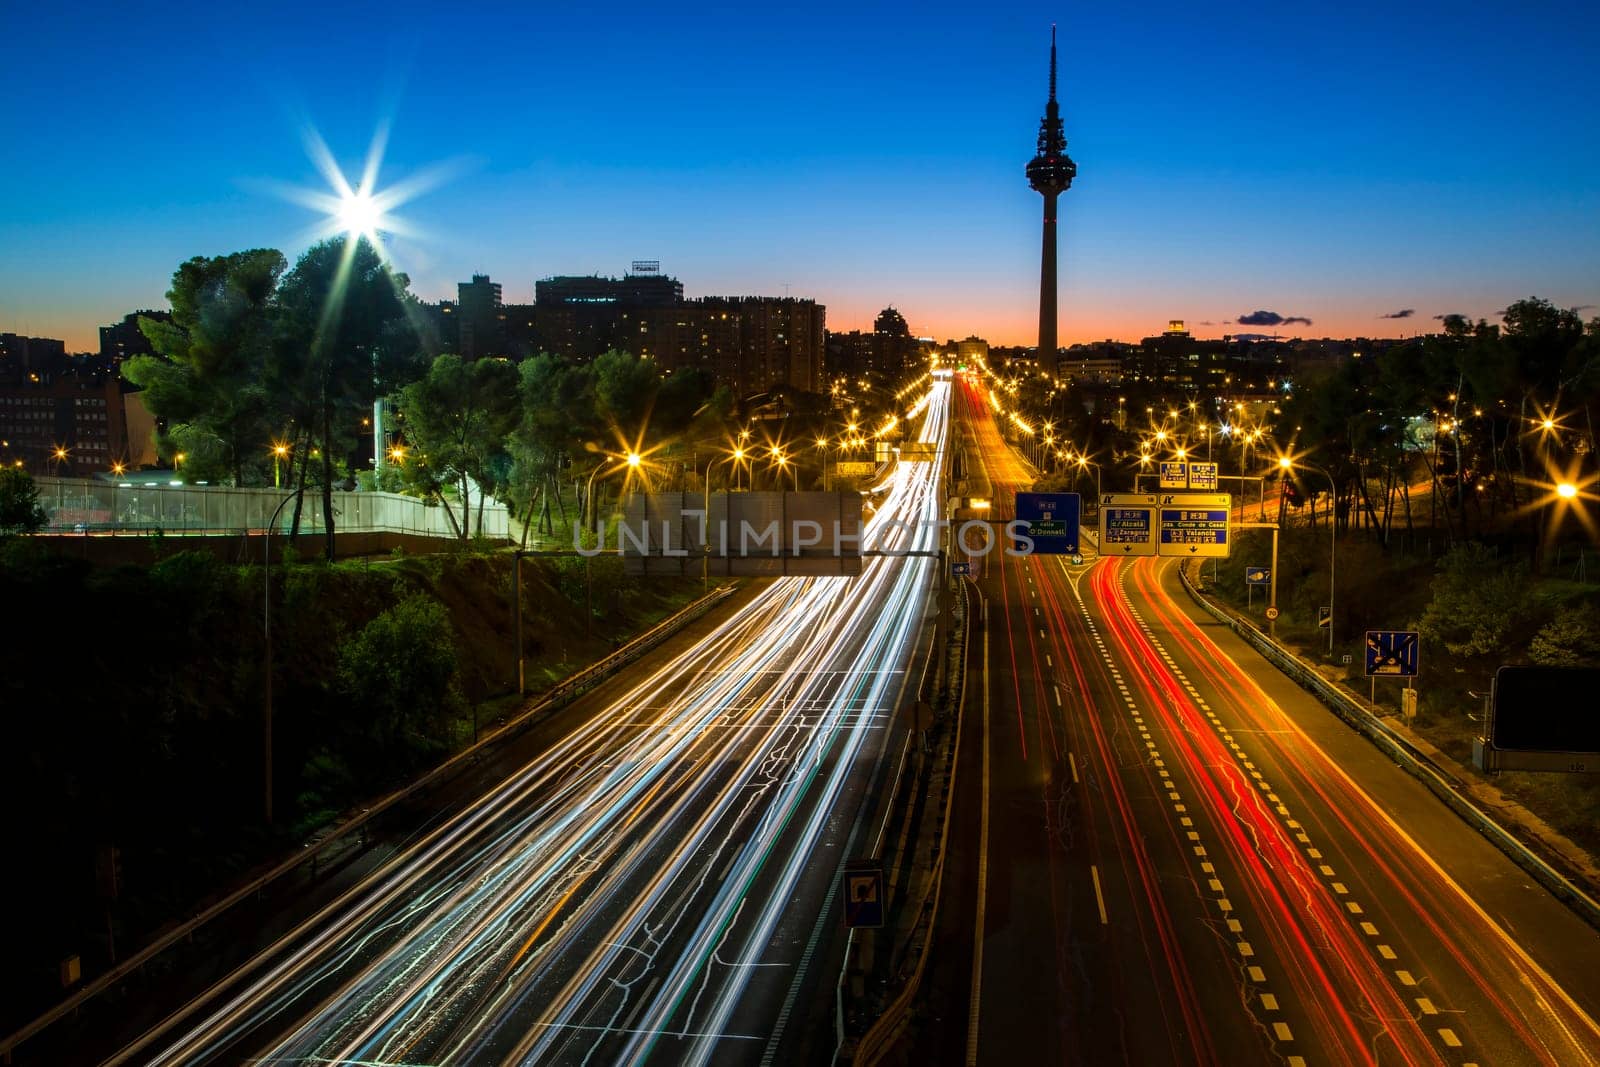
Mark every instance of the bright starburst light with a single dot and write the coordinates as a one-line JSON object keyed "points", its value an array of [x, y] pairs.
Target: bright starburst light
{"points": [[361, 209]]}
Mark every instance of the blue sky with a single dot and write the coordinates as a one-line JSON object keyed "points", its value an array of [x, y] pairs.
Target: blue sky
{"points": [[1333, 162]]}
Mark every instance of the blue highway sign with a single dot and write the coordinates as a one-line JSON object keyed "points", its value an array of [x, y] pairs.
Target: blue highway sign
{"points": [[1257, 576], [961, 567], [1393, 652], [1052, 521], [862, 890], [1194, 525]]}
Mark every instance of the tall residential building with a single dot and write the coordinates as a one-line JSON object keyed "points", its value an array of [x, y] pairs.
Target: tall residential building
{"points": [[123, 340], [581, 316], [750, 344], [31, 360], [479, 324], [73, 427], [1050, 173]]}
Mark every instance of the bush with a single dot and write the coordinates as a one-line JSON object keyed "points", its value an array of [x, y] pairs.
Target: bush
{"points": [[19, 502], [1481, 604], [1571, 639], [399, 675]]}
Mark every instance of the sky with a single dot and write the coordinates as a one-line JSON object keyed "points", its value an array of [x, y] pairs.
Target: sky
{"points": [[1336, 163]]}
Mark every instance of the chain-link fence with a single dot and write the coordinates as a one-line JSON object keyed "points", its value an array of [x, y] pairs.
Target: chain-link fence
{"points": [[77, 505]]}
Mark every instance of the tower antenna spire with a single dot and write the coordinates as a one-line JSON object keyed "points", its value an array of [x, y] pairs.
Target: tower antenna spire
{"points": [[1052, 61]]}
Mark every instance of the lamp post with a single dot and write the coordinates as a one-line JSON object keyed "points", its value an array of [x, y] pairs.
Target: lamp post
{"points": [[1085, 461], [279, 451], [266, 684], [632, 460], [1287, 465]]}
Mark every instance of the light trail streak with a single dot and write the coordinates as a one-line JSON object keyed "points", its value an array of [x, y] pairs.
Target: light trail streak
{"points": [[613, 897]]}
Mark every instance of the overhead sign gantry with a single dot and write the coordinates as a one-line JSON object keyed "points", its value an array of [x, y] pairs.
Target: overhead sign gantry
{"points": [[1166, 524]]}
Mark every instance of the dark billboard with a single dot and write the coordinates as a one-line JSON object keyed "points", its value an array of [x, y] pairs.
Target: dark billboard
{"points": [[1546, 709]]}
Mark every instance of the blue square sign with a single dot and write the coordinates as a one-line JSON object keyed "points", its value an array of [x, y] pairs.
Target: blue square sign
{"points": [[1393, 652], [1050, 520]]}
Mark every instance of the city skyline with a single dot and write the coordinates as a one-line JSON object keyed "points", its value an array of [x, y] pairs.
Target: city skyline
{"points": [[1376, 174]]}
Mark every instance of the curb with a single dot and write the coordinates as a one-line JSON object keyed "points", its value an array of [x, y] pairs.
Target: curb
{"points": [[1438, 780], [880, 1038]]}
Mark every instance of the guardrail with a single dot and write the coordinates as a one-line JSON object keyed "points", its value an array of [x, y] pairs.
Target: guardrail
{"points": [[880, 1037], [556, 698], [1438, 780]]}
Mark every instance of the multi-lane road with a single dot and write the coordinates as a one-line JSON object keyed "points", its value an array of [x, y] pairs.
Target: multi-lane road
{"points": [[656, 885], [1170, 854]]}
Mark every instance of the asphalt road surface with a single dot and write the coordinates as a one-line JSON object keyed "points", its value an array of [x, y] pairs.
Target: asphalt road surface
{"points": [[1178, 856]]}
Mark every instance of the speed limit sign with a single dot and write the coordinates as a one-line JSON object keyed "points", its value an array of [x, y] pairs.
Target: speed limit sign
{"points": [[1272, 613]]}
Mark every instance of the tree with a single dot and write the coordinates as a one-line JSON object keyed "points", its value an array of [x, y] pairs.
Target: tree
{"points": [[347, 338], [19, 503], [459, 418], [1481, 603], [206, 378], [1571, 639], [558, 418], [399, 674]]}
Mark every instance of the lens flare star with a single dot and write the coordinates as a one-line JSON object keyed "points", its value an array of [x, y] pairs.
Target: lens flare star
{"points": [[362, 209]]}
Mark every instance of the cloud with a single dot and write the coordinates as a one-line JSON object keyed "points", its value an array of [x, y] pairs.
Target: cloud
{"points": [[1584, 307], [1403, 313], [1271, 318], [1208, 322]]}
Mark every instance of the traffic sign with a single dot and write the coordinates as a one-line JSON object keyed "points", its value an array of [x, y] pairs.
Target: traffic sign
{"points": [[1257, 576], [1324, 616], [862, 890], [961, 567], [1203, 476], [1127, 524], [1195, 524], [1393, 653], [1174, 474], [1076, 559], [1051, 521], [1272, 613]]}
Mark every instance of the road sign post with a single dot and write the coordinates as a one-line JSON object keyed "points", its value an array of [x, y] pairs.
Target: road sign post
{"points": [[1195, 524], [1128, 524], [1051, 521], [1392, 654], [861, 890]]}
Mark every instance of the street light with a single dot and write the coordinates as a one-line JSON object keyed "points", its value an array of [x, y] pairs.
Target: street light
{"points": [[1287, 464], [279, 452], [266, 670]]}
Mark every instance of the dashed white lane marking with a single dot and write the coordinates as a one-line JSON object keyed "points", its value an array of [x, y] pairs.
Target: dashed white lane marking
{"points": [[1099, 897], [1245, 950], [1338, 888]]}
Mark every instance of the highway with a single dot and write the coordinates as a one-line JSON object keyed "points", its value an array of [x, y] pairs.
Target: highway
{"points": [[1180, 857], [653, 886]]}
